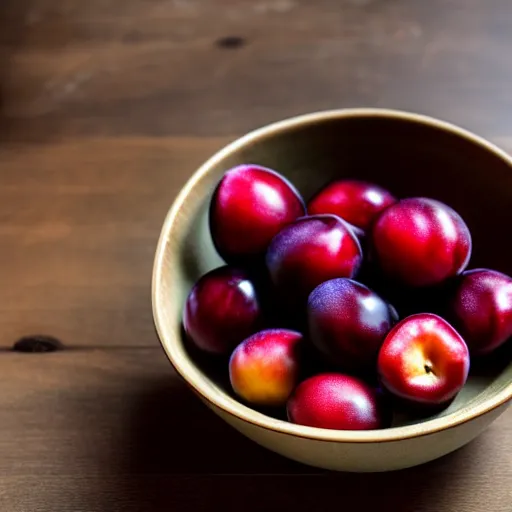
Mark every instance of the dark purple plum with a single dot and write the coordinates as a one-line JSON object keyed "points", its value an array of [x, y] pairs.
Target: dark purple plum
{"points": [[481, 309], [250, 205], [348, 323], [221, 310], [358, 202], [421, 242], [310, 251]]}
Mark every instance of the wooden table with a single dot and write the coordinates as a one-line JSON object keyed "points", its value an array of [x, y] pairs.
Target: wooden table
{"points": [[107, 106]]}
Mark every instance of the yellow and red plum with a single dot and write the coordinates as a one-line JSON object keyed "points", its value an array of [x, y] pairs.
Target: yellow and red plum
{"points": [[222, 309], [421, 242], [249, 206], [423, 360], [336, 401], [264, 369]]}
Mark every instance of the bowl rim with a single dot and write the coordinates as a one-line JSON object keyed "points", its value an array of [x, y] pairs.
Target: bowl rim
{"points": [[212, 394]]}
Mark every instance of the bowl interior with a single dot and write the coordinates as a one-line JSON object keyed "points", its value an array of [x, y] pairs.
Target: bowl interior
{"points": [[409, 155]]}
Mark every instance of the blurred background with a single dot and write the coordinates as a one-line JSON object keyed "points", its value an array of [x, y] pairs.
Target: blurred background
{"points": [[106, 109]]}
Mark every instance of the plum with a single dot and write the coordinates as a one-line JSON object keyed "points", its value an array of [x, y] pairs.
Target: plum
{"points": [[424, 360], [310, 251], [264, 368], [249, 206], [222, 309], [481, 309], [420, 242], [358, 202], [348, 323], [336, 401]]}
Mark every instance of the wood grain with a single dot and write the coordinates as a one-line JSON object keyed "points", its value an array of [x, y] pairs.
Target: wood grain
{"points": [[153, 68], [106, 107], [79, 222]]}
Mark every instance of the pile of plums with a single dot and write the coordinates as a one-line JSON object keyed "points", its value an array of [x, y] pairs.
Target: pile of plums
{"points": [[371, 288]]}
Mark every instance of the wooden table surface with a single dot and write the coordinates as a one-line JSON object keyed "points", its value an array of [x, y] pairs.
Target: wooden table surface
{"points": [[106, 108]]}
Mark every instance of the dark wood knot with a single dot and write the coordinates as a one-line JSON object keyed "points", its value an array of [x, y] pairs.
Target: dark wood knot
{"points": [[230, 42], [37, 344]]}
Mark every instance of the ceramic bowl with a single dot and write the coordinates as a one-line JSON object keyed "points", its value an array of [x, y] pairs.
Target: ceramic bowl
{"points": [[411, 155]]}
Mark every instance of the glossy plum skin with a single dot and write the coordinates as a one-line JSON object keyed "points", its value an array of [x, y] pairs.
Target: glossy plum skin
{"points": [[358, 202], [348, 323], [221, 310], [421, 242], [424, 360], [335, 401], [249, 206], [481, 309], [264, 368], [310, 251]]}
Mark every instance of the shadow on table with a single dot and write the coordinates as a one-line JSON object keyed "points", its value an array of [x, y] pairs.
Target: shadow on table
{"points": [[189, 459], [173, 432]]}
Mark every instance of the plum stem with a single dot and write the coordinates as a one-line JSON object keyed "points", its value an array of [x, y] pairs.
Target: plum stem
{"points": [[428, 368]]}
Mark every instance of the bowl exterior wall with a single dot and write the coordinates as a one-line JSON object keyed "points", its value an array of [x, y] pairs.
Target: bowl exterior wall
{"points": [[364, 457]]}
